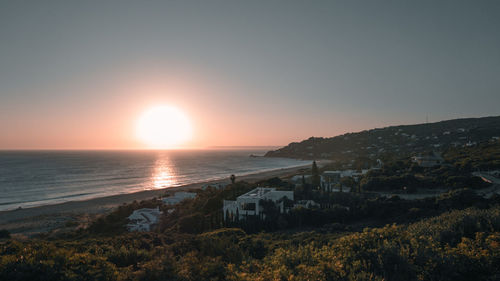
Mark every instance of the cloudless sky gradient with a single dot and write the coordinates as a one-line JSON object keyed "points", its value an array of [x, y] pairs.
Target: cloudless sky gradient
{"points": [[78, 74]]}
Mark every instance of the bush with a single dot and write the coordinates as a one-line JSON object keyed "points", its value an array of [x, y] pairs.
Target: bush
{"points": [[192, 223], [4, 233]]}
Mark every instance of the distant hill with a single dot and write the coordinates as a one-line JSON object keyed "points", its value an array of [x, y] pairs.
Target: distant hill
{"points": [[400, 140]]}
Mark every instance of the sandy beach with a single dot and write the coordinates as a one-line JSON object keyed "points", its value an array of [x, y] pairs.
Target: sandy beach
{"points": [[34, 220]]}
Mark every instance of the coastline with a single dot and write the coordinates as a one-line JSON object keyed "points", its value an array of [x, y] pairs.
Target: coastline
{"points": [[45, 218]]}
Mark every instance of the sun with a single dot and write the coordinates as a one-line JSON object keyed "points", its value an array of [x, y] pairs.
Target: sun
{"points": [[163, 127]]}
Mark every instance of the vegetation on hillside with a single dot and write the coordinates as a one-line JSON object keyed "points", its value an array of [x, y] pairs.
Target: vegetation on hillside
{"points": [[402, 174], [457, 245], [362, 149]]}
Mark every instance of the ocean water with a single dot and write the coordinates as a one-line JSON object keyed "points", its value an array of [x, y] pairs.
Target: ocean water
{"points": [[35, 178]]}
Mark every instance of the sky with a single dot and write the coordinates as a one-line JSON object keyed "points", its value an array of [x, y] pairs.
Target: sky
{"points": [[79, 74]]}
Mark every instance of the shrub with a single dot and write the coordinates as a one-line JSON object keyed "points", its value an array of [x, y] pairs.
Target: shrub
{"points": [[4, 233]]}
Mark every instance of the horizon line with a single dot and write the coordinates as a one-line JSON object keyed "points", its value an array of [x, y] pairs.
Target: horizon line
{"points": [[143, 149]]}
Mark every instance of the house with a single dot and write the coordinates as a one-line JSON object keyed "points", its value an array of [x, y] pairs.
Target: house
{"points": [[249, 204], [329, 179], [215, 185], [307, 204], [178, 197], [428, 161], [298, 178], [470, 143], [353, 173], [143, 219]]}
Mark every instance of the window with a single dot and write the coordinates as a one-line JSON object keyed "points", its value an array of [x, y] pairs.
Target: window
{"points": [[248, 206]]}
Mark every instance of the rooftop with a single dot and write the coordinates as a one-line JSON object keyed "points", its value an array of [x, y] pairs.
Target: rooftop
{"points": [[257, 192]]}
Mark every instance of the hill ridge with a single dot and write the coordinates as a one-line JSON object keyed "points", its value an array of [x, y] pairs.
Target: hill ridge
{"points": [[399, 139]]}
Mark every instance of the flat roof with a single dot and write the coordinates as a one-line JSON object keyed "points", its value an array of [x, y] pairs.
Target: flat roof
{"points": [[258, 191]]}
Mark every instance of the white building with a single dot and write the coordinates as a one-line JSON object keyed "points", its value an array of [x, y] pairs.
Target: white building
{"points": [[428, 161], [307, 204], [143, 219], [297, 179], [216, 185], [248, 204], [329, 179], [178, 197]]}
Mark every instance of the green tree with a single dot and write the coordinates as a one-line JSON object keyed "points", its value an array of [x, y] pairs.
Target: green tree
{"points": [[315, 175]]}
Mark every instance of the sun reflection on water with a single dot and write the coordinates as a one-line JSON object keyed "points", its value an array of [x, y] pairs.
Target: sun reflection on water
{"points": [[164, 176]]}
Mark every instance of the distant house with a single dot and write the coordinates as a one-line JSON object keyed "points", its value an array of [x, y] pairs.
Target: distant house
{"points": [[353, 173], [249, 203], [143, 219], [329, 179], [297, 179], [470, 143], [178, 197], [428, 161], [307, 204], [215, 185]]}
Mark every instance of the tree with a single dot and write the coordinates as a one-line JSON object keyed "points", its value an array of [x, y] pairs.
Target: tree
{"points": [[233, 178], [227, 219], [315, 175], [348, 182], [4, 233]]}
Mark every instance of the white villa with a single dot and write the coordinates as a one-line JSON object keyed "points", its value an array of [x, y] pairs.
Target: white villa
{"points": [[329, 179], [307, 204], [216, 185], [178, 197], [248, 203], [298, 179], [143, 219]]}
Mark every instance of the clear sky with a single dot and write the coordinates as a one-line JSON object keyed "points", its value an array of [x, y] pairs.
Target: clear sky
{"points": [[78, 74]]}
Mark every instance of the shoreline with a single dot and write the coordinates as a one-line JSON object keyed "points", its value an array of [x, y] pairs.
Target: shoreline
{"points": [[49, 217], [164, 189]]}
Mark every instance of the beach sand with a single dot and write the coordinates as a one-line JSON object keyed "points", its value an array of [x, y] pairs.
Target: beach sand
{"points": [[42, 219]]}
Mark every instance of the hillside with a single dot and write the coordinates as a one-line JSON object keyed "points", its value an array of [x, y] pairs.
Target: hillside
{"points": [[400, 140]]}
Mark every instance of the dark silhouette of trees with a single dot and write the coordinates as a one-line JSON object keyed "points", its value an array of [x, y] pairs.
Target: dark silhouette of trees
{"points": [[316, 181]]}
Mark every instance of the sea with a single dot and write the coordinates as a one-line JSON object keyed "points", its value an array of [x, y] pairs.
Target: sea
{"points": [[36, 178]]}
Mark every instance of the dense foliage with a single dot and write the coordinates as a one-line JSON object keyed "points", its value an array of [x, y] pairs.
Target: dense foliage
{"points": [[485, 156], [363, 147], [457, 245], [461, 245], [402, 174], [409, 177]]}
